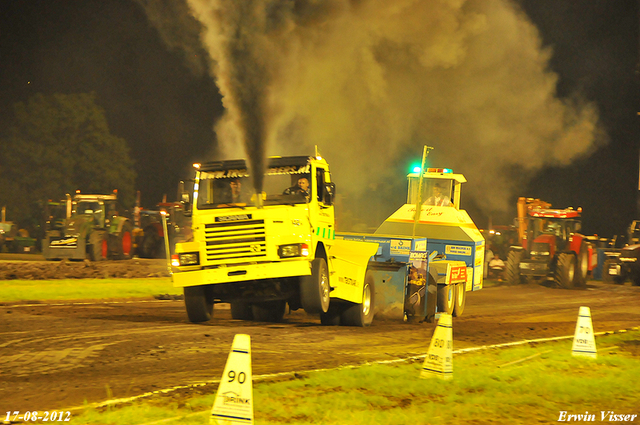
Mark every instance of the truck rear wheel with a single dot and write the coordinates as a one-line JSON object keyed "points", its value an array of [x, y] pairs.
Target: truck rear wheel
{"points": [[446, 298], [565, 273], [461, 299], [269, 311], [314, 289], [199, 303], [512, 268], [361, 314], [241, 311], [332, 316]]}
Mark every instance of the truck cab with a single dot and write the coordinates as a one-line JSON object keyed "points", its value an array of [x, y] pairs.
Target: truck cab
{"points": [[262, 251]]}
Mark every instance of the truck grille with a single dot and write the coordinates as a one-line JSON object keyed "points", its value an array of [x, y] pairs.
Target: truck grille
{"points": [[237, 241]]}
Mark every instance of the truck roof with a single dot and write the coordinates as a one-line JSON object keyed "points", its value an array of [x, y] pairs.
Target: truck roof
{"points": [[555, 213], [275, 165]]}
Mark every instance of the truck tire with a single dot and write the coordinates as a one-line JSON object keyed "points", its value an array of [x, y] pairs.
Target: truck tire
{"points": [[97, 246], [582, 268], [269, 311], [124, 244], [635, 277], [314, 289], [446, 298], [512, 268], [461, 299], [199, 303], [241, 311], [565, 272], [361, 314]]}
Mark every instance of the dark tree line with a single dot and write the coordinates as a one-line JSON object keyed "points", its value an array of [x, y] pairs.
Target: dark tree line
{"points": [[56, 145]]}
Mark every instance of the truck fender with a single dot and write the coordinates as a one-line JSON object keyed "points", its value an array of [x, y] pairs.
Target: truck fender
{"points": [[347, 262]]}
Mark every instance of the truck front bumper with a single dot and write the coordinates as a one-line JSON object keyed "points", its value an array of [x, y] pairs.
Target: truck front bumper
{"points": [[241, 273]]}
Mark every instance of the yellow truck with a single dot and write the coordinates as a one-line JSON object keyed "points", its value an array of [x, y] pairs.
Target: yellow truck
{"points": [[261, 251]]}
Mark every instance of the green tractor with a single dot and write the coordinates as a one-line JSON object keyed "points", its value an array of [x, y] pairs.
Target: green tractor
{"points": [[94, 229]]}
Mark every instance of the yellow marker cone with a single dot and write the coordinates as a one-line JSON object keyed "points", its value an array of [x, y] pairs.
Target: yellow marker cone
{"points": [[439, 360], [584, 343], [234, 400]]}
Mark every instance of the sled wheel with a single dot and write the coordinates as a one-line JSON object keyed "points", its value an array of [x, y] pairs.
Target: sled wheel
{"points": [[361, 314], [314, 289], [269, 311], [241, 311], [446, 298], [199, 303], [461, 299], [565, 273]]}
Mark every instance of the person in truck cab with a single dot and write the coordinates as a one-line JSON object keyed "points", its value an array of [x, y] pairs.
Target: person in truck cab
{"points": [[437, 197], [301, 187]]}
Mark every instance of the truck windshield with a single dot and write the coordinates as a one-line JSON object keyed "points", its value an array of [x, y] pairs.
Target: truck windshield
{"points": [[278, 189], [434, 191]]}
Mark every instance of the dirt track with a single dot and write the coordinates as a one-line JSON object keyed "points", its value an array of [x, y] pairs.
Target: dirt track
{"points": [[57, 356]]}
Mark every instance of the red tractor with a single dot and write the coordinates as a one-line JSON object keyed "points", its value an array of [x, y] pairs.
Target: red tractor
{"points": [[551, 249]]}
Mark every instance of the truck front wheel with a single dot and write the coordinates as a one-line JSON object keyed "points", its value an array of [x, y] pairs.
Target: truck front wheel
{"points": [[361, 314], [314, 289], [199, 303]]}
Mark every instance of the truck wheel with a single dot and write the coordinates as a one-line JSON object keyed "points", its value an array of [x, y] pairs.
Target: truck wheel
{"points": [[635, 278], [446, 298], [582, 269], [97, 244], [461, 299], [199, 303], [241, 311], [512, 268], [361, 314], [314, 289], [565, 273], [269, 311]]}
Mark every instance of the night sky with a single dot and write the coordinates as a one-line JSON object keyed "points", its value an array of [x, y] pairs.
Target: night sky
{"points": [[165, 107]]}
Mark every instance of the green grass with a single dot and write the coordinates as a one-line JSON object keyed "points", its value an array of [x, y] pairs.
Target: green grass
{"points": [[73, 289], [488, 387]]}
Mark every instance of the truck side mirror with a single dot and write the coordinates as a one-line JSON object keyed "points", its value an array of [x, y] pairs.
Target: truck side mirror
{"points": [[329, 193], [185, 200]]}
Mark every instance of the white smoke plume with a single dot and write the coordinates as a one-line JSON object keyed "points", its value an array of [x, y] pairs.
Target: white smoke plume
{"points": [[372, 81]]}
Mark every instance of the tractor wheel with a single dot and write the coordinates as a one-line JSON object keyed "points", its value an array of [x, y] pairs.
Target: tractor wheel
{"points": [[512, 268], [446, 298], [96, 248], [241, 311], [151, 244], [199, 303], [124, 242], [565, 272], [361, 314], [582, 268], [269, 311], [314, 289], [461, 299]]}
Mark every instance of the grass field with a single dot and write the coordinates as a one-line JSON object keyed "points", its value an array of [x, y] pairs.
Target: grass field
{"points": [[530, 384], [81, 289]]}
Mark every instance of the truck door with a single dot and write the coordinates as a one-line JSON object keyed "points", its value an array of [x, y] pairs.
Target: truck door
{"points": [[324, 219]]}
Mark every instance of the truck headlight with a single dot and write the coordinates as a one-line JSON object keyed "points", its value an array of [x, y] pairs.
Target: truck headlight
{"points": [[188, 259], [293, 250]]}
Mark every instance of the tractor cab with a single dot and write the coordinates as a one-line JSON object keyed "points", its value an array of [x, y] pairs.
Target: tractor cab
{"points": [[551, 230], [439, 187]]}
